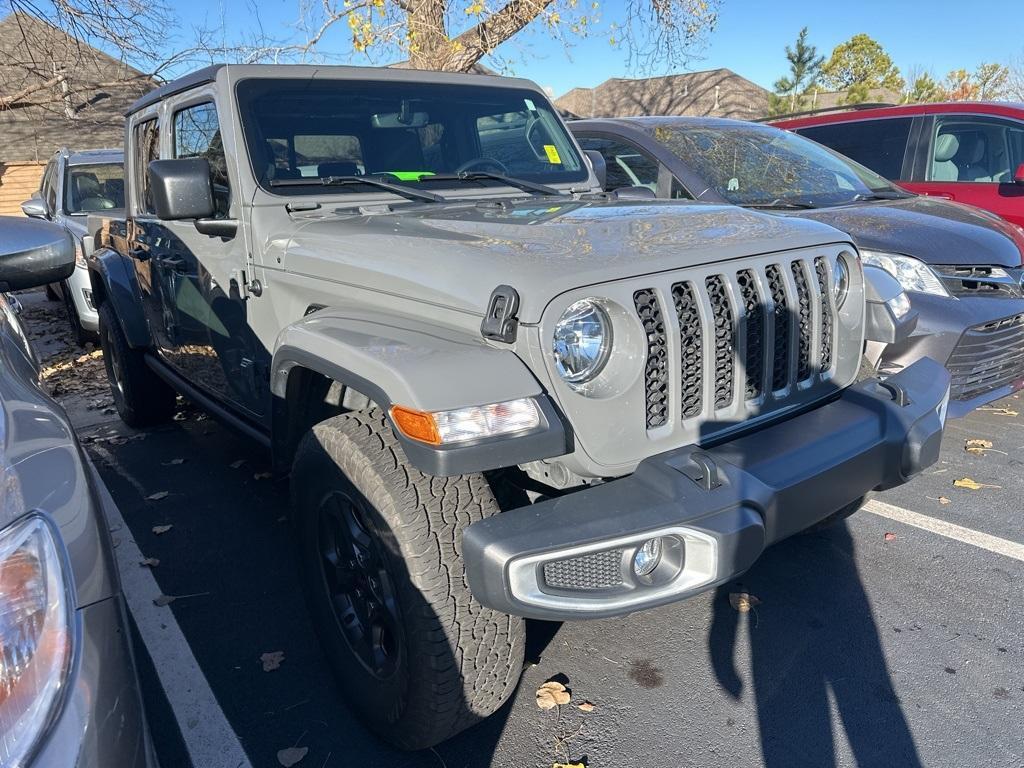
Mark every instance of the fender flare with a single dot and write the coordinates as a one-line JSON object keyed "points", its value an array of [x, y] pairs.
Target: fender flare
{"points": [[113, 279], [393, 360]]}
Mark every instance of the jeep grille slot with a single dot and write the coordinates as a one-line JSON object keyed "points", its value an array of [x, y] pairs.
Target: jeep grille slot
{"points": [[656, 368], [690, 349], [753, 323], [721, 313], [821, 270], [780, 322], [803, 294]]}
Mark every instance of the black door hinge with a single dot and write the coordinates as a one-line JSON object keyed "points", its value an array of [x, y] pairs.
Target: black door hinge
{"points": [[500, 323]]}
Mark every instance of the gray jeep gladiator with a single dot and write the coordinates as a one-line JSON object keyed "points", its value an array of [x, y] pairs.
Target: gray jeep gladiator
{"points": [[500, 392]]}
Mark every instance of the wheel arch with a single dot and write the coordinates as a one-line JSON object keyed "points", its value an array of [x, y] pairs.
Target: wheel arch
{"points": [[113, 280]]}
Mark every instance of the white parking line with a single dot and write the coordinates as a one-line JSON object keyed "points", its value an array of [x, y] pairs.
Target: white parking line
{"points": [[949, 530], [209, 738]]}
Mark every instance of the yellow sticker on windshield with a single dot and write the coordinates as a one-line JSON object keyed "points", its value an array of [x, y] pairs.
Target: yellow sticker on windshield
{"points": [[552, 154]]}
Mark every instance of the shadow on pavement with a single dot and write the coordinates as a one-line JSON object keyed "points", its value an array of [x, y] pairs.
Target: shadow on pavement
{"points": [[800, 673]]}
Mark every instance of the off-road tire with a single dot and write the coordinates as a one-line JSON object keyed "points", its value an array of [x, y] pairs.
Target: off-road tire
{"points": [[838, 516], [458, 661], [141, 397], [51, 294]]}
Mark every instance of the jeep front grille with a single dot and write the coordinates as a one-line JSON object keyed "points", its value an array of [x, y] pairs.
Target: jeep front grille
{"points": [[769, 328]]}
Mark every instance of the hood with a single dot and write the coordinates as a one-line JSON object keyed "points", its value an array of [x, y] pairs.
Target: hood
{"points": [[934, 230], [454, 255]]}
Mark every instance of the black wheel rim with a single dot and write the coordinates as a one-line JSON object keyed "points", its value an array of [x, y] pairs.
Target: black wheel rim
{"points": [[357, 584]]}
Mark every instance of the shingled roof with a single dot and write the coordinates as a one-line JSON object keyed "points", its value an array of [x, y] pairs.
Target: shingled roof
{"points": [[715, 92], [56, 91]]}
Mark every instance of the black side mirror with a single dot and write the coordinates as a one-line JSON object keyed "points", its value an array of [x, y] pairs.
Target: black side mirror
{"points": [[33, 253], [181, 188], [597, 162]]}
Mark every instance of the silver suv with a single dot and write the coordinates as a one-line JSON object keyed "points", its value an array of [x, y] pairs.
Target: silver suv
{"points": [[500, 392]]}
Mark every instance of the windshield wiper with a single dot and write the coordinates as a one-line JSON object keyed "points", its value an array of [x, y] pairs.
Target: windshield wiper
{"points": [[526, 186], [780, 204], [344, 181], [883, 194]]}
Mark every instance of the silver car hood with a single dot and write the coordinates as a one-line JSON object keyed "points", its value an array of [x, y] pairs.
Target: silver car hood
{"points": [[454, 255]]}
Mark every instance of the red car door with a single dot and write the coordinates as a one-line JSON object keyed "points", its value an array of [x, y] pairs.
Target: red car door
{"points": [[973, 159]]}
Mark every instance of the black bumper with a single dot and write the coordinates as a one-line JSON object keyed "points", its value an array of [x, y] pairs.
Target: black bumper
{"points": [[719, 507]]}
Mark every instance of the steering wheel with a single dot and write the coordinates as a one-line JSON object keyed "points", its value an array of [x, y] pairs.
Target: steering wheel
{"points": [[482, 163]]}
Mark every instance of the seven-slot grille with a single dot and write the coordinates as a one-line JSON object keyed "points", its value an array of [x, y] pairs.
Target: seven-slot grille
{"points": [[766, 328]]}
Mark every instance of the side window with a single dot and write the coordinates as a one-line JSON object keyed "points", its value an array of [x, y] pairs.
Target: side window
{"points": [[881, 145], [48, 189], [975, 149], [197, 134], [627, 166], [146, 149], [678, 191]]}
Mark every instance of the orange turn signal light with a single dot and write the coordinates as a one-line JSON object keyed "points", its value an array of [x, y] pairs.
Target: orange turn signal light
{"points": [[416, 425]]}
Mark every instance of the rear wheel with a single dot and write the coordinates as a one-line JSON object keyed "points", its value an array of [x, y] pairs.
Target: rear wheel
{"points": [[838, 516], [380, 543], [82, 336], [141, 397]]}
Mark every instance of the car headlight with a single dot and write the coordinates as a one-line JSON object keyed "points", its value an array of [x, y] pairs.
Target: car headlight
{"points": [[840, 282], [36, 629], [80, 254], [582, 341], [912, 274]]}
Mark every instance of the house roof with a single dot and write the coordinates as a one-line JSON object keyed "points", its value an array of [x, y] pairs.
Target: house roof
{"points": [[64, 91], [718, 92]]}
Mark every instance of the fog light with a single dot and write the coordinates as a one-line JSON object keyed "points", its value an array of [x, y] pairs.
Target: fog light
{"points": [[647, 557]]}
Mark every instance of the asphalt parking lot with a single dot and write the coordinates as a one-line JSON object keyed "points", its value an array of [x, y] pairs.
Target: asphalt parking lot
{"points": [[896, 639]]}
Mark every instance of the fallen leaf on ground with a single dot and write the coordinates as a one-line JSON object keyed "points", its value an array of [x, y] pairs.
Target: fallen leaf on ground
{"points": [[586, 706], [149, 562], [568, 765], [164, 600], [551, 695], [291, 756], [943, 500], [158, 529], [743, 601], [976, 445], [157, 496], [261, 475], [174, 462], [272, 660], [971, 485], [889, 536], [1000, 411]]}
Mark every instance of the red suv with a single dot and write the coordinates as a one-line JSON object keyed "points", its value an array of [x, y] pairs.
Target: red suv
{"points": [[972, 152]]}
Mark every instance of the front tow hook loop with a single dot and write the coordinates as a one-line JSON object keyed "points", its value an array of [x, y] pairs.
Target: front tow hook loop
{"points": [[704, 473]]}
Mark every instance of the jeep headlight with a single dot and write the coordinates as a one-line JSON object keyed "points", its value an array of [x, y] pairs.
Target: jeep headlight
{"points": [[912, 274], [582, 342], [36, 630]]}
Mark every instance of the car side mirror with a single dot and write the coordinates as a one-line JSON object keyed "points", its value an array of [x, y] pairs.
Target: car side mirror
{"points": [[1018, 175], [33, 253], [599, 166], [182, 190], [34, 207]]}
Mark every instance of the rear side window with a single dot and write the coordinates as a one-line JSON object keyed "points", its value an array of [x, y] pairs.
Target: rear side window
{"points": [[881, 145], [967, 148], [197, 134], [146, 149]]}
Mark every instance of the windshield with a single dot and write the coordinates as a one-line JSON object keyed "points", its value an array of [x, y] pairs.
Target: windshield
{"points": [[759, 165], [94, 188], [400, 131]]}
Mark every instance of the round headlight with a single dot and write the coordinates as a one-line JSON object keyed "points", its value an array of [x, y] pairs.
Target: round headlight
{"points": [[582, 342], [840, 283]]}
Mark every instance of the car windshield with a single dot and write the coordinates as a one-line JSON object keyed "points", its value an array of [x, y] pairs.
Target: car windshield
{"points": [[97, 187], [759, 165], [400, 132]]}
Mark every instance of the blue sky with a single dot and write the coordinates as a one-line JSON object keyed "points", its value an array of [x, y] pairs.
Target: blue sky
{"points": [[749, 39]]}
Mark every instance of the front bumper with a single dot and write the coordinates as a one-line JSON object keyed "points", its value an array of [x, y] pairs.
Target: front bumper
{"points": [[971, 336], [715, 509]]}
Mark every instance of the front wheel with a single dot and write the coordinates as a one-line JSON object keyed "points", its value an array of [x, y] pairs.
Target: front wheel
{"points": [[141, 397], [380, 543], [838, 516]]}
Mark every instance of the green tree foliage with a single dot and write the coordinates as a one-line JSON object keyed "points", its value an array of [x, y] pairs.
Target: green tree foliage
{"points": [[859, 66], [790, 90], [923, 89], [992, 80]]}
